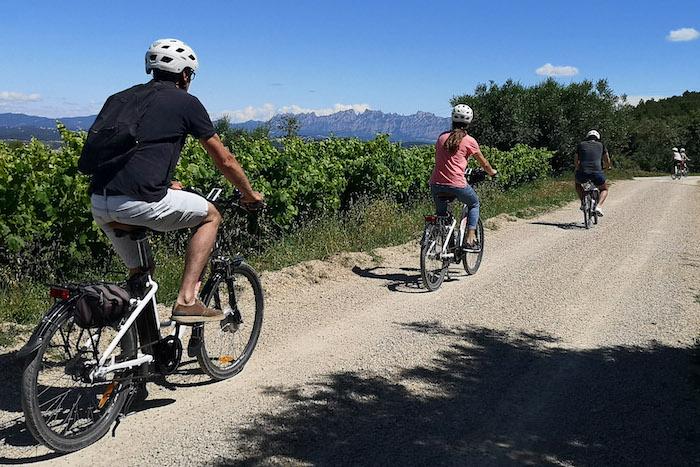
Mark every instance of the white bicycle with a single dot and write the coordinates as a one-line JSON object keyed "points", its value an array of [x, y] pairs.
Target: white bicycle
{"points": [[78, 380]]}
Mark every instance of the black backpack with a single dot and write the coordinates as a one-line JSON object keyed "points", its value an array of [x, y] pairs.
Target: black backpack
{"points": [[101, 304], [112, 138]]}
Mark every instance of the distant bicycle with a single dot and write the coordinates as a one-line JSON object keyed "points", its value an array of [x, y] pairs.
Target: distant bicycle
{"points": [[679, 170], [591, 194], [442, 242], [79, 378]]}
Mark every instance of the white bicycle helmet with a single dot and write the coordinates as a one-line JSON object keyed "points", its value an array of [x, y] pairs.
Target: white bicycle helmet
{"points": [[171, 55], [593, 133], [462, 113], [674, 149], [682, 149]]}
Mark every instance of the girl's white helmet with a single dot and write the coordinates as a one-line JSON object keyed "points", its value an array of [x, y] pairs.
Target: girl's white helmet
{"points": [[682, 149], [171, 55], [593, 133], [462, 113], [674, 149]]}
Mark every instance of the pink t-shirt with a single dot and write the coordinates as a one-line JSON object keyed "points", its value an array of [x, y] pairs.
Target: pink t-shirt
{"points": [[449, 168]]}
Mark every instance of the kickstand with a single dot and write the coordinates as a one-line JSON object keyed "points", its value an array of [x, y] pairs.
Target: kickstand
{"points": [[116, 424]]}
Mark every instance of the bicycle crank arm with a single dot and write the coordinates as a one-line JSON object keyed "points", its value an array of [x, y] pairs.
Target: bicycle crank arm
{"points": [[104, 370]]}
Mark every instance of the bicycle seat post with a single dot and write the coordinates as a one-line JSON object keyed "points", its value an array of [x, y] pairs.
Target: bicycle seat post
{"points": [[146, 262]]}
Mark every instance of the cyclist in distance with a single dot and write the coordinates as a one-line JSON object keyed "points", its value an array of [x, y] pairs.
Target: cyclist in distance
{"points": [[684, 159], [591, 158], [452, 152], [677, 159], [141, 192]]}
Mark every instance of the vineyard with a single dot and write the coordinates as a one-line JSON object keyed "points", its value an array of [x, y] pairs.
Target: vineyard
{"points": [[46, 225]]}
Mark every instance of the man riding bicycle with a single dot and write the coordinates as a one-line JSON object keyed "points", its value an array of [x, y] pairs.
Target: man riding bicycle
{"points": [[591, 158], [142, 193]]}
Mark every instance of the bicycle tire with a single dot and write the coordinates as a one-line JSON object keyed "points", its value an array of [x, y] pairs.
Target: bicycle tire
{"points": [[586, 210], [471, 260], [594, 206], [221, 361], [32, 393], [433, 239]]}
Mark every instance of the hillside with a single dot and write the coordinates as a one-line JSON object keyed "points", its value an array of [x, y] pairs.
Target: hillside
{"points": [[419, 127]]}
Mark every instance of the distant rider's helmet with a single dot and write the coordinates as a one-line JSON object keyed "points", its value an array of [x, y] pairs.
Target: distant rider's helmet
{"points": [[462, 113], [683, 150], [171, 55], [593, 133], [674, 149]]}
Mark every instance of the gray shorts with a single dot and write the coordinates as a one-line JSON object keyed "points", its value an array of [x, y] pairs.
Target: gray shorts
{"points": [[177, 210]]}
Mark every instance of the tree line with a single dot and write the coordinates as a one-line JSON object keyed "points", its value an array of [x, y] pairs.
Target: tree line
{"points": [[557, 116]]}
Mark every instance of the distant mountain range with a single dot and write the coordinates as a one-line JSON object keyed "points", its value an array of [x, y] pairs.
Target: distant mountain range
{"points": [[421, 127]]}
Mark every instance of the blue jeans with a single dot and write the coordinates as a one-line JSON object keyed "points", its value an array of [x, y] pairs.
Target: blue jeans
{"points": [[467, 195]]}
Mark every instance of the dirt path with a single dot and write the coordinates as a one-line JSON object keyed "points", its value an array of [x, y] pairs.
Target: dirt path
{"points": [[569, 347]]}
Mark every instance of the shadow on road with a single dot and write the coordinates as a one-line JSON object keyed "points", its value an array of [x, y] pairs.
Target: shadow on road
{"points": [[561, 225], [490, 398], [399, 281]]}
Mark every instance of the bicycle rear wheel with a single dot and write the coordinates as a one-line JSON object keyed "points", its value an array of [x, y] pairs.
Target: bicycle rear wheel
{"points": [[63, 409], [594, 206], [432, 267], [587, 210], [472, 259], [228, 344]]}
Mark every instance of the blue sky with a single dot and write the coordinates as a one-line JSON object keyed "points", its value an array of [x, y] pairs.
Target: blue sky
{"points": [[259, 58]]}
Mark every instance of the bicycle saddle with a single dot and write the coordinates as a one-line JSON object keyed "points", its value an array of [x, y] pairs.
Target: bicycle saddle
{"points": [[133, 231], [446, 196]]}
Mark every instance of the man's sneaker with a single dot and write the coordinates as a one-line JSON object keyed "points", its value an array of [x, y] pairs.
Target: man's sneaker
{"points": [[195, 313], [599, 211]]}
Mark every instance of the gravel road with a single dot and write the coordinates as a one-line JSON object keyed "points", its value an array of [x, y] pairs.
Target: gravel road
{"points": [[569, 347]]}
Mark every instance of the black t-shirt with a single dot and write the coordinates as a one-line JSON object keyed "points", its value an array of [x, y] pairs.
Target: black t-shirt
{"points": [[171, 115], [590, 156]]}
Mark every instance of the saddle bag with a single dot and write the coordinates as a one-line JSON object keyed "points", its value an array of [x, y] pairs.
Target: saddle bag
{"points": [[100, 305]]}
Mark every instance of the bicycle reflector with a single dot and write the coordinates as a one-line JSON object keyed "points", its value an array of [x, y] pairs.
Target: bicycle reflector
{"points": [[430, 218], [59, 292]]}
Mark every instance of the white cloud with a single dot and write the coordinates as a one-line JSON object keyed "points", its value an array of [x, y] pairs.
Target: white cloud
{"points": [[550, 70], [267, 111], [634, 100], [9, 96], [683, 35]]}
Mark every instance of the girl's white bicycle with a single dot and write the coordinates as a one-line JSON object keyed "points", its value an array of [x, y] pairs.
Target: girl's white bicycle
{"points": [[443, 237]]}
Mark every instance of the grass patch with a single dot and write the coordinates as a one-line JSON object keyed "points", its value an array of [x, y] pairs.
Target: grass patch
{"points": [[367, 225]]}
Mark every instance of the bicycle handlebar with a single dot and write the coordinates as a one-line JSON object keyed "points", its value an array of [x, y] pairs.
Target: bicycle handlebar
{"points": [[233, 201]]}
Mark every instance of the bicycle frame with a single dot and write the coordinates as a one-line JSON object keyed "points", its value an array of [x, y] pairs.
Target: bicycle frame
{"points": [[101, 370]]}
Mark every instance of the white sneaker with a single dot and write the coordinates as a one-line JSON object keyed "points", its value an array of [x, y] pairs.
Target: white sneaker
{"points": [[599, 211]]}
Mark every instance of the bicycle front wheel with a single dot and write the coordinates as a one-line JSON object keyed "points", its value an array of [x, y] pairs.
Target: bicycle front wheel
{"points": [[472, 259], [432, 267], [64, 409], [228, 344]]}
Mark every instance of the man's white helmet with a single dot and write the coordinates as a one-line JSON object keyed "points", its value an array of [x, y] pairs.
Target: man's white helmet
{"points": [[171, 55], [593, 133], [682, 149], [462, 113], [674, 149]]}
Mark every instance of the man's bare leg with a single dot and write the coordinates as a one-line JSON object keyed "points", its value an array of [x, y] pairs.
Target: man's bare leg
{"points": [[198, 251], [603, 193]]}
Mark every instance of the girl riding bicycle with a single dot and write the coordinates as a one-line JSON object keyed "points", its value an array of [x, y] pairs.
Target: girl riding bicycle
{"points": [[452, 152]]}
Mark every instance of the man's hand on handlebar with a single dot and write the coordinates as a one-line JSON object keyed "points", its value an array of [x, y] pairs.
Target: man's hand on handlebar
{"points": [[252, 201]]}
